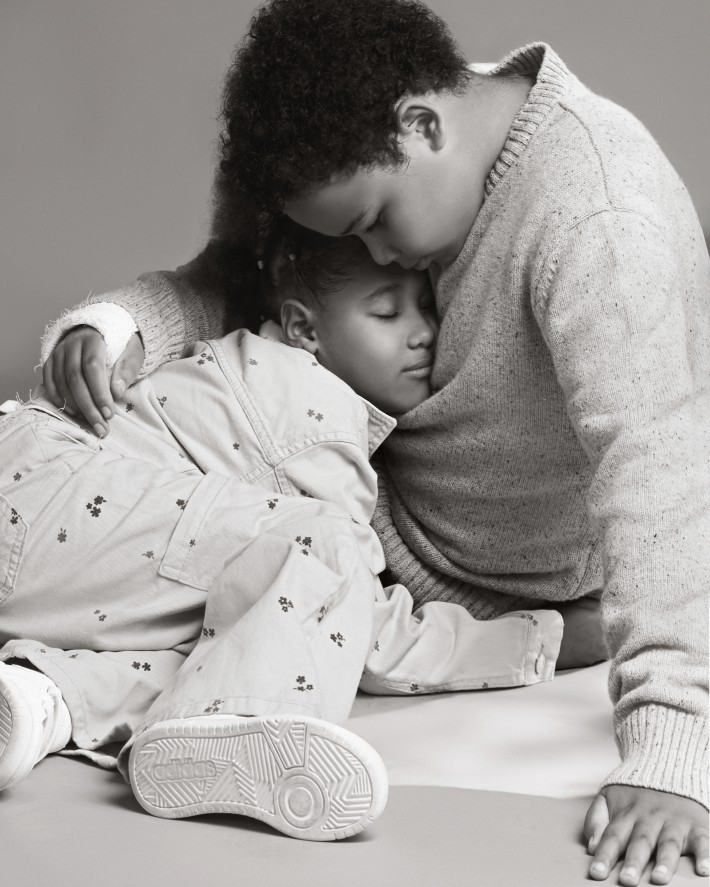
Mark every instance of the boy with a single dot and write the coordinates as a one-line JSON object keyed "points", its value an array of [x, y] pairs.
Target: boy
{"points": [[564, 453], [216, 497]]}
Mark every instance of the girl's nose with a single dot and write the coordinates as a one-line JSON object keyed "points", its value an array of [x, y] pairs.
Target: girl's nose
{"points": [[423, 333]]}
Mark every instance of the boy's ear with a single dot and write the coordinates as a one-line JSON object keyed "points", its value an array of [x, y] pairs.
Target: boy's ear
{"points": [[418, 117], [297, 323]]}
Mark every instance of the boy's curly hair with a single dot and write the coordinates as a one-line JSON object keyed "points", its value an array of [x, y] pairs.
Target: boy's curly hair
{"points": [[312, 91]]}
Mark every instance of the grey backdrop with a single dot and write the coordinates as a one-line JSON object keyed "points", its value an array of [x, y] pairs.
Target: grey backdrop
{"points": [[108, 124]]}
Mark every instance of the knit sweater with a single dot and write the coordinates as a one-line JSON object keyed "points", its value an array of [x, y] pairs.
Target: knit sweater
{"points": [[565, 449]]}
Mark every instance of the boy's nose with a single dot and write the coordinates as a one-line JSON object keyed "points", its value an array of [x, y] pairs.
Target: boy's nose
{"points": [[381, 254]]}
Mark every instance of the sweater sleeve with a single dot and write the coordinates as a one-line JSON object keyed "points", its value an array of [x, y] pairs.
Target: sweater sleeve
{"points": [[623, 321], [173, 309]]}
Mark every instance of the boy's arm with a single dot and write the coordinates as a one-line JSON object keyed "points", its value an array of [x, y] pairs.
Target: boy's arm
{"points": [[169, 309], [624, 322]]}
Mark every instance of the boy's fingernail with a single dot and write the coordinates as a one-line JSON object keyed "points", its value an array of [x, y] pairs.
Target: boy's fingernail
{"points": [[592, 846], [99, 429], [598, 868], [661, 871], [628, 872], [106, 413], [704, 868]]}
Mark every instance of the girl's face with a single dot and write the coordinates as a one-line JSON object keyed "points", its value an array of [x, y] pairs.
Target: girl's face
{"points": [[378, 334]]}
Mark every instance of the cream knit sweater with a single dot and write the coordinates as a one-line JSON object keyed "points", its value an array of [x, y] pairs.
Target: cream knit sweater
{"points": [[566, 450]]}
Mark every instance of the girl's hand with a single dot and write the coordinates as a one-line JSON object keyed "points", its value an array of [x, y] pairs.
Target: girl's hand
{"points": [[636, 823], [77, 379]]}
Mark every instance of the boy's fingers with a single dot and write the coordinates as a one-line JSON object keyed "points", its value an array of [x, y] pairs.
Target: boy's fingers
{"points": [[596, 820], [699, 846], [74, 372], [64, 395], [641, 846], [95, 374], [127, 367], [611, 846], [669, 849], [50, 388]]}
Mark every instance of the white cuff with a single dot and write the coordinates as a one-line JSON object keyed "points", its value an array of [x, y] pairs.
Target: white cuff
{"points": [[113, 322]]}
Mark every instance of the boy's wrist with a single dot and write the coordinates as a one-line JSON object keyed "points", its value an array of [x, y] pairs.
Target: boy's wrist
{"points": [[113, 322]]}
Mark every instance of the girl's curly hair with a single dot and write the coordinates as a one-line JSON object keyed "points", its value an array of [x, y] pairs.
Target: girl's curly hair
{"points": [[304, 265], [312, 90]]}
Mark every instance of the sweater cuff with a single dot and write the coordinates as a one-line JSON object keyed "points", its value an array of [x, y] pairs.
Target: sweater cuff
{"points": [[113, 322], [663, 749]]}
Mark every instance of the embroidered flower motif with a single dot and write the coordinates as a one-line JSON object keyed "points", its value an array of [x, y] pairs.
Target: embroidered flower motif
{"points": [[286, 604], [149, 554], [314, 415], [208, 632], [377, 646], [93, 507], [414, 688], [302, 685], [337, 639], [272, 503], [129, 406], [101, 616], [62, 535], [146, 666], [14, 516], [321, 614], [162, 401], [181, 503], [214, 707], [204, 356], [136, 664], [16, 476], [252, 362], [235, 446], [305, 542], [74, 656], [484, 685], [304, 493], [193, 543]]}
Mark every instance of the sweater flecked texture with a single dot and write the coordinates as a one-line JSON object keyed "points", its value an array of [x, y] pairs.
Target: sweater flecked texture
{"points": [[565, 450]]}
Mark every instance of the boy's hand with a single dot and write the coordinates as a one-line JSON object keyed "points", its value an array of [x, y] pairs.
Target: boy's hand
{"points": [[77, 379], [635, 823]]}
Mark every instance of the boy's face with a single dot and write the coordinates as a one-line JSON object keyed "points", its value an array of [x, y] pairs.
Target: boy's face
{"points": [[413, 216], [378, 334]]}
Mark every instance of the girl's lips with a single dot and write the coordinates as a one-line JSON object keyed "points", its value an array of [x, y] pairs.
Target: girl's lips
{"points": [[419, 371]]}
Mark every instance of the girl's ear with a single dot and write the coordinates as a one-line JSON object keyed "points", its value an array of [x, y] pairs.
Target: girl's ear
{"points": [[421, 118], [298, 324]]}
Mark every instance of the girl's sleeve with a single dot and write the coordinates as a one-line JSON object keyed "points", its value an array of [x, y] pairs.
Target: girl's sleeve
{"points": [[623, 309]]}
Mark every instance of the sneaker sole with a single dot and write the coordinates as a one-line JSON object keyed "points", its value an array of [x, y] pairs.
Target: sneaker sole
{"points": [[304, 777], [16, 759]]}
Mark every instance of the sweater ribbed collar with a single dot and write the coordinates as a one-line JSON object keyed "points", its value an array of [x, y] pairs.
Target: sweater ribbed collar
{"points": [[552, 79]]}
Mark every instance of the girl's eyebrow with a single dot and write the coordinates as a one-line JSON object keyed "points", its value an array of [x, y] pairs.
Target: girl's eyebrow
{"points": [[381, 290]]}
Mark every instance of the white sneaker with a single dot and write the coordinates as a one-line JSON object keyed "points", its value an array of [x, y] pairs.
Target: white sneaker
{"points": [[305, 777], [34, 721]]}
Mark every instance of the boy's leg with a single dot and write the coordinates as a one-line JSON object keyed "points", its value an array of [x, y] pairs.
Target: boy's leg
{"points": [[441, 647], [248, 725]]}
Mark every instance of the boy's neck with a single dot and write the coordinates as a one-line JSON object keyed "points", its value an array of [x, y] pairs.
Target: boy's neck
{"points": [[482, 118]]}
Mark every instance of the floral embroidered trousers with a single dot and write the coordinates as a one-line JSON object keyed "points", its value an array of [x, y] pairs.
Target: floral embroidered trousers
{"points": [[148, 593]]}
